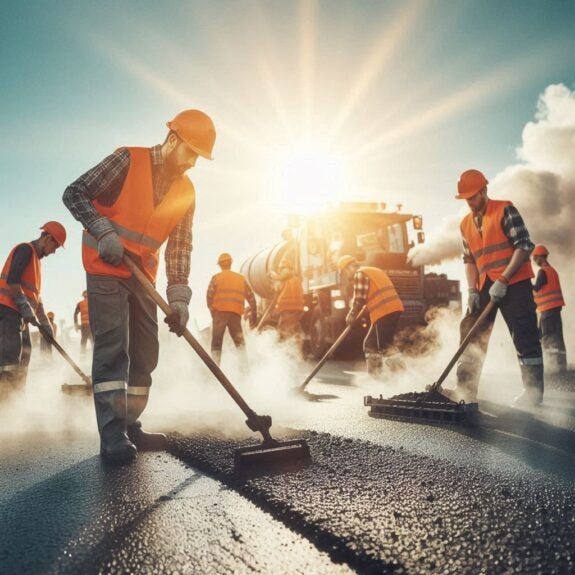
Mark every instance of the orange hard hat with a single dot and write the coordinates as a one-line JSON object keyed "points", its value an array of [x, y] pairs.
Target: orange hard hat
{"points": [[470, 182], [540, 250], [56, 230], [225, 257], [344, 261], [196, 129]]}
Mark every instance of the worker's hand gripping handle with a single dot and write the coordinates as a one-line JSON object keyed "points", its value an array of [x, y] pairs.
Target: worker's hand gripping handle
{"points": [[204, 356]]}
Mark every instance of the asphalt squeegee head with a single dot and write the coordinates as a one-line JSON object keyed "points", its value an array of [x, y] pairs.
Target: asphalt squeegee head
{"points": [[270, 452], [430, 406]]}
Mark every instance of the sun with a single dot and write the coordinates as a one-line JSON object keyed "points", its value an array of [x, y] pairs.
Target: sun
{"points": [[307, 178]]}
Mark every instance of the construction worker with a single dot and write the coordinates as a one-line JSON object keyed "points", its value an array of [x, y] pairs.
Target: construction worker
{"points": [[290, 302], [131, 203], [21, 304], [549, 301], [496, 250], [82, 310], [372, 288], [225, 299]]}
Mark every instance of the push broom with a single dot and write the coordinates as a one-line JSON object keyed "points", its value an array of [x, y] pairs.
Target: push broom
{"points": [[270, 451], [431, 405]]}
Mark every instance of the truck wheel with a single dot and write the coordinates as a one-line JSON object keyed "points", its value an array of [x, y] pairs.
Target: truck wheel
{"points": [[317, 334]]}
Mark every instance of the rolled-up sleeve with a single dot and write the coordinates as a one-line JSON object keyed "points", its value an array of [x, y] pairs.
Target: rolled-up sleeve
{"points": [[104, 182]]}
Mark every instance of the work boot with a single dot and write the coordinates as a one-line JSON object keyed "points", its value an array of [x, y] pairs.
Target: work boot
{"points": [[217, 356], [374, 363], [143, 440], [395, 363], [533, 387], [115, 447]]}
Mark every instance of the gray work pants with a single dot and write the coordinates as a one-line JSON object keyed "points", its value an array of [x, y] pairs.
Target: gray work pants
{"points": [[551, 331], [124, 326], [518, 311], [15, 347], [86, 336], [231, 321], [381, 333]]}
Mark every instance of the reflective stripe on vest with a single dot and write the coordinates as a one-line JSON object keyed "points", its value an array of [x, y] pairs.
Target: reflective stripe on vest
{"points": [[229, 292], [84, 315], [291, 296], [142, 227], [382, 297], [550, 295], [491, 249], [30, 281]]}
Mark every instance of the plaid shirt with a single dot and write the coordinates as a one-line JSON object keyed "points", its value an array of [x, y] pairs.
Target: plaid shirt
{"points": [[513, 227], [104, 182], [360, 291]]}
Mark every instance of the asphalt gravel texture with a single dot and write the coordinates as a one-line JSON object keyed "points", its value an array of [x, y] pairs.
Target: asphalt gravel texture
{"points": [[380, 509]]}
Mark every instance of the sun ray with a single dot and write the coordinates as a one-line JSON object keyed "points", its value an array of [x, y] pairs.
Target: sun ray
{"points": [[507, 77], [388, 43]]}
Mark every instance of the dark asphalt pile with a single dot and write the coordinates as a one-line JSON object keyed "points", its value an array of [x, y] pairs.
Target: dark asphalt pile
{"points": [[429, 397], [382, 510]]}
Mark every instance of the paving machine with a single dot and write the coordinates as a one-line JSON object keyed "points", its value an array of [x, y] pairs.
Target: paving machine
{"points": [[376, 237]]}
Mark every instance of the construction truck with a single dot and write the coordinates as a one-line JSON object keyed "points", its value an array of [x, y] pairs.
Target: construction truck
{"points": [[375, 237]]}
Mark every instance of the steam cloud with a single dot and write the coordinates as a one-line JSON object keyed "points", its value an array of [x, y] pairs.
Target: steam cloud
{"points": [[542, 186]]}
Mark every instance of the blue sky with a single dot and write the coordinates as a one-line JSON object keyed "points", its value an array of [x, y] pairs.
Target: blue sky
{"points": [[401, 96]]}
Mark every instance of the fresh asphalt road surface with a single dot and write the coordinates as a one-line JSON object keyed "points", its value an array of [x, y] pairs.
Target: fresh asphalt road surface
{"points": [[380, 496]]}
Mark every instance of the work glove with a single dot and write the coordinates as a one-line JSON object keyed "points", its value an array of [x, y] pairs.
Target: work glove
{"points": [[179, 297], [473, 301], [25, 309], [350, 318], [497, 291], [110, 247], [253, 321]]}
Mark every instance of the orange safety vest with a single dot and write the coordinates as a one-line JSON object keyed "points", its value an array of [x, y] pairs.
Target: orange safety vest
{"points": [[142, 227], [492, 249], [30, 281], [291, 296], [84, 316], [550, 295], [382, 298], [230, 292]]}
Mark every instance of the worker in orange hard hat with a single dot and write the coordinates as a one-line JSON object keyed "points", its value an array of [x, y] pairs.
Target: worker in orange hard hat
{"points": [[82, 310], [496, 251], [549, 301], [372, 288], [225, 298], [21, 303], [133, 201]]}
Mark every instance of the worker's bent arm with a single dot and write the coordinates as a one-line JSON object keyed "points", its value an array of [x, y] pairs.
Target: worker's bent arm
{"points": [[472, 275], [519, 257], [16, 291]]}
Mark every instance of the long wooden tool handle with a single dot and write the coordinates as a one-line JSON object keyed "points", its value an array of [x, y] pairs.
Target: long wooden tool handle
{"points": [[204, 356], [488, 308], [49, 337], [332, 349], [269, 309]]}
